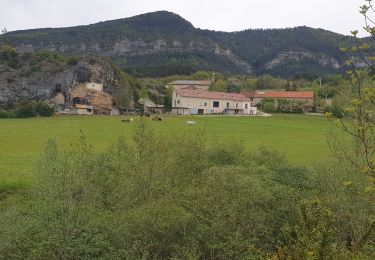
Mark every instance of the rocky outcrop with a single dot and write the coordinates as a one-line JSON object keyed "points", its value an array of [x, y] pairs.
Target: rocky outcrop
{"points": [[101, 101], [299, 56], [29, 76]]}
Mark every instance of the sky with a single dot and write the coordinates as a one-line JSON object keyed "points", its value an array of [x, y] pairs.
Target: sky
{"points": [[341, 16]]}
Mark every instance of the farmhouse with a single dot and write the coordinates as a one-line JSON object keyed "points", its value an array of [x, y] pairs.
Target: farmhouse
{"points": [[188, 101], [300, 98], [190, 84]]}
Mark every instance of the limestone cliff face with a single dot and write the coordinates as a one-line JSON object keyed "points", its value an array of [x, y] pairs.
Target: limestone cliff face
{"points": [[299, 56], [28, 76]]}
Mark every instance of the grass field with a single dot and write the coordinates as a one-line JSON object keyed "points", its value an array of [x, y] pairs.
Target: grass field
{"points": [[302, 138]]}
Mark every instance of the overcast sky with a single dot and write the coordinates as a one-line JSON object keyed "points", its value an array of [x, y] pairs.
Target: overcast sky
{"points": [[340, 16]]}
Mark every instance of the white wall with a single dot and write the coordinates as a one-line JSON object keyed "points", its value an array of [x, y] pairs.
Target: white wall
{"points": [[94, 86]]}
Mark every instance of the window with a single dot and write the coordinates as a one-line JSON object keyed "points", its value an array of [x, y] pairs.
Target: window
{"points": [[178, 101], [228, 104], [236, 105], [215, 104], [246, 106], [205, 104]]}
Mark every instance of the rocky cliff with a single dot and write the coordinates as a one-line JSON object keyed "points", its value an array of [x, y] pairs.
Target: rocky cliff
{"points": [[47, 76]]}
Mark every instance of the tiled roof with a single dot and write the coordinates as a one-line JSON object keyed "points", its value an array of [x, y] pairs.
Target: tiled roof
{"points": [[281, 94], [212, 95], [191, 82]]}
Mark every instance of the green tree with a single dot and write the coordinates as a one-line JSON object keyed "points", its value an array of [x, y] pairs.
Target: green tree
{"points": [[219, 85]]}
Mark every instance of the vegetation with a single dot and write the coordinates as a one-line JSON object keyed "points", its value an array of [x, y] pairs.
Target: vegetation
{"points": [[143, 198], [26, 109]]}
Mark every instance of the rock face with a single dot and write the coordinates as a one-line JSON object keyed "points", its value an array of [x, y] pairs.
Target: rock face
{"points": [[101, 101], [285, 57], [29, 76]]}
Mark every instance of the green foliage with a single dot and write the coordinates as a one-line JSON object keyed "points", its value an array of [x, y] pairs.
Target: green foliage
{"points": [[7, 114], [269, 82], [144, 198], [26, 109], [269, 107], [249, 84], [71, 61], [334, 110], [44, 109], [219, 85]]}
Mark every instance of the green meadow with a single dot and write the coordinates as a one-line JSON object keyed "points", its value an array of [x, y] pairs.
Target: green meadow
{"points": [[303, 139]]}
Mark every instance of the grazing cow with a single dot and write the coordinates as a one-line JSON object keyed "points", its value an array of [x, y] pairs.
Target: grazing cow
{"points": [[191, 123], [156, 118], [127, 120]]}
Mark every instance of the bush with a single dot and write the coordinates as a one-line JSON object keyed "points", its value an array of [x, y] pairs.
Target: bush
{"points": [[26, 109], [72, 61], [44, 109], [6, 114], [335, 110], [269, 107]]}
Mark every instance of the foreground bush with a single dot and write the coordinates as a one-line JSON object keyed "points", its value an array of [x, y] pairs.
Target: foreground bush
{"points": [[179, 198]]}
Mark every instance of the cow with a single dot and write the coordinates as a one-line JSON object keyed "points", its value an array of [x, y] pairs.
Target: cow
{"points": [[191, 123], [127, 120]]}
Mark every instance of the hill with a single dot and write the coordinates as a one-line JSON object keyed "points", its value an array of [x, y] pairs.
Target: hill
{"points": [[163, 43]]}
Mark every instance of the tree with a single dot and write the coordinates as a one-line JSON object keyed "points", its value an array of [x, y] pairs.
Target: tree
{"points": [[357, 147], [359, 115], [219, 85]]}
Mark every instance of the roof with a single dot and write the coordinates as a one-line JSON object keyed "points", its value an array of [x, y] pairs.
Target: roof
{"points": [[191, 82], [79, 106], [212, 95], [281, 94]]}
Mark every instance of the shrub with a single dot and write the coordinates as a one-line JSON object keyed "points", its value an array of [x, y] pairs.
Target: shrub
{"points": [[7, 114], [44, 109], [269, 107], [71, 61], [26, 109], [335, 110]]}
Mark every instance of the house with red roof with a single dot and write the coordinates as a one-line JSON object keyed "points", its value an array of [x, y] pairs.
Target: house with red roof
{"points": [[193, 101]]}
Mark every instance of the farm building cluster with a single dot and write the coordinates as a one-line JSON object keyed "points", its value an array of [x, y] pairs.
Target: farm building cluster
{"points": [[194, 98], [189, 97]]}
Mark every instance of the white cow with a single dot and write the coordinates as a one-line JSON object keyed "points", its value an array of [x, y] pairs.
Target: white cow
{"points": [[191, 123]]}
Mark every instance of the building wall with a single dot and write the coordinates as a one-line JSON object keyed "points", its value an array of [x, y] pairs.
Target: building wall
{"points": [[84, 111], [198, 105], [94, 86]]}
